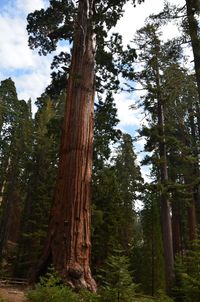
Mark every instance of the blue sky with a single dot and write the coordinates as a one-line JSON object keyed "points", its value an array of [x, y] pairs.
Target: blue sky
{"points": [[31, 72]]}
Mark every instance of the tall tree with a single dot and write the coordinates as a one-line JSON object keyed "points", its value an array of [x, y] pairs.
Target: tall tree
{"points": [[152, 272], [68, 242], [115, 192], [155, 59], [193, 9], [41, 171], [16, 141]]}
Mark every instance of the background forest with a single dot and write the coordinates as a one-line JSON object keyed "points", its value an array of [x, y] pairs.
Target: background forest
{"points": [[138, 253]]}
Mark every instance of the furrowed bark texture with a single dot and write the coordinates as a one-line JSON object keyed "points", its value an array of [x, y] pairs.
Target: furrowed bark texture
{"points": [[68, 243]]}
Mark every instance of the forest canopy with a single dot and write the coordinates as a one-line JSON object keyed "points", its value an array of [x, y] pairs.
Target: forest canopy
{"points": [[71, 178]]}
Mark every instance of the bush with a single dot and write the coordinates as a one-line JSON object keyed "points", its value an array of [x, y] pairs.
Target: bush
{"points": [[51, 289], [119, 288], [187, 271]]}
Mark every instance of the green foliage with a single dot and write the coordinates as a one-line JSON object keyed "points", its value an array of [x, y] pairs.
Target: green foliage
{"points": [[115, 188], [152, 275], [119, 288], [51, 289], [52, 294], [117, 281], [105, 132], [188, 275], [42, 172], [16, 139]]}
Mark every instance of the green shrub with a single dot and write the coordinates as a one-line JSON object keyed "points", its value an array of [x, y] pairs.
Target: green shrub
{"points": [[52, 294], [87, 296], [187, 271], [118, 288], [51, 289]]}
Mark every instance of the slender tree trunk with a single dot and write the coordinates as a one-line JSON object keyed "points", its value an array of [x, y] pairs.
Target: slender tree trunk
{"points": [[192, 220], [68, 243], [194, 173], [165, 204], [192, 7], [10, 210], [3, 181], [177, 244]]}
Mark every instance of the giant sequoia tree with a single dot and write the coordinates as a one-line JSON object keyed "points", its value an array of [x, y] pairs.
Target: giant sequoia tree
{"points": [[68, 243]]}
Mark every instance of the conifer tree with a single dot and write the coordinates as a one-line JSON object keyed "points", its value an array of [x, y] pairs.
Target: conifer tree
{"points": [[152, 261], [115, 191], [37, 204], [16, 142], [68, 242]]}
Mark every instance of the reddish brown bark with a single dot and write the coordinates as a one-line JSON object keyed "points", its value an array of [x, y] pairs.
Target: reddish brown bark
{"points": [[68, 242], [192, 225], [177, 246]]}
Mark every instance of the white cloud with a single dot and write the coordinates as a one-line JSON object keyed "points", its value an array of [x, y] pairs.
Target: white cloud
{"points": [[14, 51], [31, 85], [30, 72], [127, 116], [134, 18], [28, 6]]}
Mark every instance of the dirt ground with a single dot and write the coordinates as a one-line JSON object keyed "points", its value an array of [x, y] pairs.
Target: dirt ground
{"points": [[12, 294]]}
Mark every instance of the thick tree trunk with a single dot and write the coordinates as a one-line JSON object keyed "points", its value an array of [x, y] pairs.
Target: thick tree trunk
{"points": [[68, 243]]}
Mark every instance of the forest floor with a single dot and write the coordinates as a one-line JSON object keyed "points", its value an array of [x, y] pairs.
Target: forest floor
{"points": [[12, 294]]}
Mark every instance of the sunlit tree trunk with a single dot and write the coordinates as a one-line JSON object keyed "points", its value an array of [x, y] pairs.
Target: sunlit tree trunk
{"points": [[68, 245]]}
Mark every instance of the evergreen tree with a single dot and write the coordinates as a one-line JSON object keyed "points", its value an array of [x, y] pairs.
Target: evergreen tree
{"points": [[156, 57], [42, 173], [118, 284], [115, 191], [152, 261], [16, 142], [70, 217]]}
